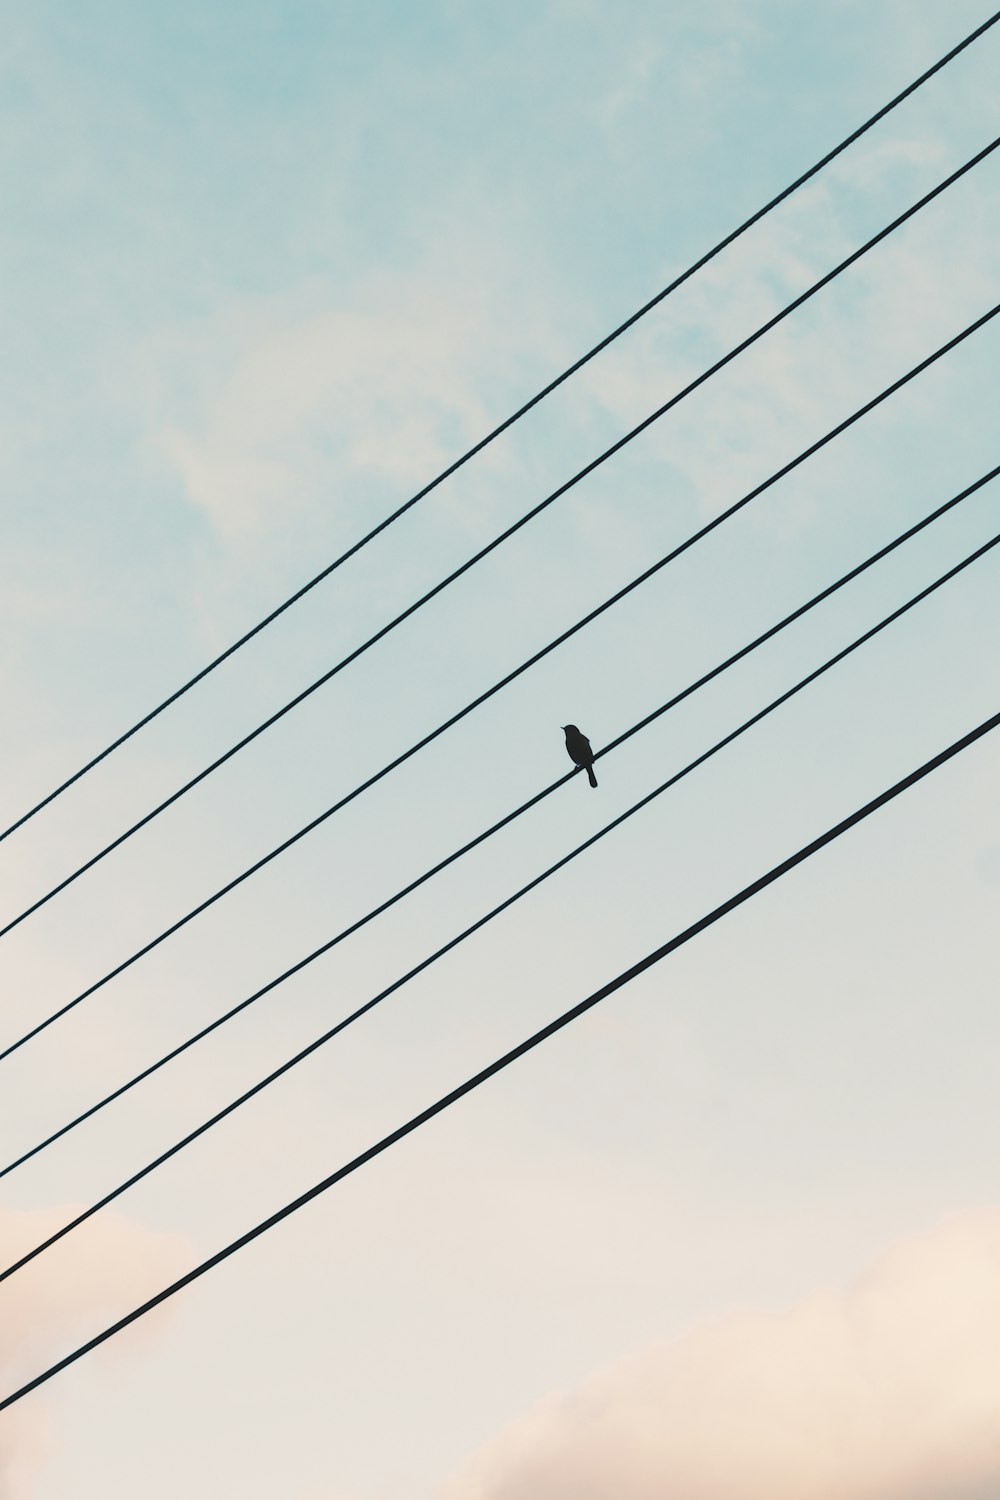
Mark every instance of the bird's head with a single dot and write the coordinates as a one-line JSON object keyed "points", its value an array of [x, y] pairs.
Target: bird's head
{"points": [[569, 728]]}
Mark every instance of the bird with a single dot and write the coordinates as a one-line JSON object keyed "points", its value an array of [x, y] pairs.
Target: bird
{"points": [[578, 749]]}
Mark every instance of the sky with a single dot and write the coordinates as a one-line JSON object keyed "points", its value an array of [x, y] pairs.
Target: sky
{"points": [[269, 267]]}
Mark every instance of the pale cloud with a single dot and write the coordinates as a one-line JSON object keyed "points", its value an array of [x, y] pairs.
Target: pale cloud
{"points": [[59, 1300], [887, 1391], [866, 166], [389, 382], [277, 409], [888, 311], [631, 85]]}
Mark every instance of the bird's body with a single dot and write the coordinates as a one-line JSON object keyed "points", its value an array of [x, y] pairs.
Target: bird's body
{"points": [[579, 751]]}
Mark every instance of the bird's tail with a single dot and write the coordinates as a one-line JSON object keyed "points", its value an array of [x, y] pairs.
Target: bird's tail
{"points": [[590, 776]]}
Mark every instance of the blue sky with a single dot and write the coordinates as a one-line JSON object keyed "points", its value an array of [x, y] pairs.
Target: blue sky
{"points": [[270, 268]]}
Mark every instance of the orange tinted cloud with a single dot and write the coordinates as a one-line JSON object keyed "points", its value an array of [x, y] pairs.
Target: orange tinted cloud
{"points": [[888, 1391], [66, 1295]]}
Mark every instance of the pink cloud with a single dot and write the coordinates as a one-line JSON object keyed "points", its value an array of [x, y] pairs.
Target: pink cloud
{"points": [[887, 1391], [59, 1300]]}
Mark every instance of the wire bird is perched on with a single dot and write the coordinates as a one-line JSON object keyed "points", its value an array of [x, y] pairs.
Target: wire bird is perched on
{"points": [[578, 750]]}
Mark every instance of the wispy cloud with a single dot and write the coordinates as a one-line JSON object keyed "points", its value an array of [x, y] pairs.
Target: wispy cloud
{"points": [[389, 384], [884, 314]]}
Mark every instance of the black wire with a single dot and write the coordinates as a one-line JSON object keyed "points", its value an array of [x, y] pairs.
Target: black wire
{"points": [[503, 682], [509, 422], [535, 1040], [497, 541], [454, 942]]}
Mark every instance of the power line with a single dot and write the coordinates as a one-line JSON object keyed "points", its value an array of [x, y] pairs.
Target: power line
{"points": [[643, 577], [484, 442], [398, 984], [515, 1053], [498, 541], [532, 801]]}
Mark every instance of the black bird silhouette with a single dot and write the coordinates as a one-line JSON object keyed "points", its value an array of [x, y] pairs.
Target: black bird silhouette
{"points": [[578, 749]]}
